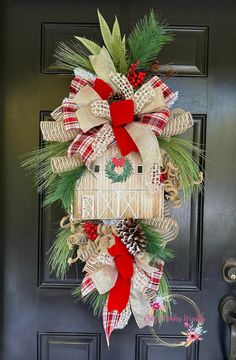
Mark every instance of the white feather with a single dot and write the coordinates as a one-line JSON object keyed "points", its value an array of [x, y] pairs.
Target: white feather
{"points": [[175, 98], [85, 74]]}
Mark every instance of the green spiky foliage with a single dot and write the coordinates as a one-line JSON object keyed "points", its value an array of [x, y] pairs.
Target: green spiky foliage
{"points": [[76, 53], [95, 300], [186, 156], [72, 54], [155, 244], [57, 187], [59, 254], [38, 163], [114, 43], [146, 40], [62, 188]]}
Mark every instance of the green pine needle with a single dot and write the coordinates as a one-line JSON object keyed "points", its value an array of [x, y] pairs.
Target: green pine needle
{"points": [[146, 40], [95, 300], [38, 163], [72, 54], [186, 156], [63, 187], [155, 244], [59, 254]]}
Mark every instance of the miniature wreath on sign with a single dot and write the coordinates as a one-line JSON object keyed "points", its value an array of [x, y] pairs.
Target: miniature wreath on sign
{"points": [[118, 169], [116, 219]]}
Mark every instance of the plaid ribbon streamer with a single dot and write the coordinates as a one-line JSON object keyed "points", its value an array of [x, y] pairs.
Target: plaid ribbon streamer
{"points": [[112, 320], [87, 285], [154, 280], [82, 144], [168, 94], [156, 121], [76, 85], [69, 107]]}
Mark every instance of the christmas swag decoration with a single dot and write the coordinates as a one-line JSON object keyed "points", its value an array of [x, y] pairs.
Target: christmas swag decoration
{"points": [[113, 157]]}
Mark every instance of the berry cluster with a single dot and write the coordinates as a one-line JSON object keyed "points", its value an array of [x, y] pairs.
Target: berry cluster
{"points": [[163, 177], [135, 77], [91, 230]]}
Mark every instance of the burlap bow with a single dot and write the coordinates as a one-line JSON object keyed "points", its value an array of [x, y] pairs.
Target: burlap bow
{"points": [[87, 118], [143, 289]]}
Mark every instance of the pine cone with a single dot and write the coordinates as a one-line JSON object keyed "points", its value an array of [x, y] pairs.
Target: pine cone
{"points": [[115, 97], [132, 235]]}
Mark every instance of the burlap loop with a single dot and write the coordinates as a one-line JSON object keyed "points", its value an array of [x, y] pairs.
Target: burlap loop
{"points": [[61, 164], [178, 123], [54, 131], [57, 114]]}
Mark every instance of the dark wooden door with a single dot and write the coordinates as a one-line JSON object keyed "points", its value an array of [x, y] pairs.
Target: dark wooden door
{"points": [[39, 317]]}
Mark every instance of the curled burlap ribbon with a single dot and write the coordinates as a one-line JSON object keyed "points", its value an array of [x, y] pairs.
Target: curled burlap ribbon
{"points": [[88, 250], [172, 183]]}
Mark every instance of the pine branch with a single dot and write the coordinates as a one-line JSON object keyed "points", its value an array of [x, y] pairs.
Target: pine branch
{"points": [[38, 163], [72, 54], [63, 187], [59, 254], [95, 300], [155, 244], [147, 39]]}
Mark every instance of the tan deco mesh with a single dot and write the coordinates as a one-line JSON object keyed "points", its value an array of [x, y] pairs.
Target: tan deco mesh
{"points": [[60, 164], [123, 84], [167, 227], [144, 95], [57, 114], [101, 142], [54, 131], [101, 108], [178, 123]]}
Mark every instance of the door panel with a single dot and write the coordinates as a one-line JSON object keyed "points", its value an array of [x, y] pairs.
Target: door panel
{"points": [[40, 318]]}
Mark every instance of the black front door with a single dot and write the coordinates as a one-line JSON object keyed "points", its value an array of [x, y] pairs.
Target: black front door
{"points": [[40, 318]]}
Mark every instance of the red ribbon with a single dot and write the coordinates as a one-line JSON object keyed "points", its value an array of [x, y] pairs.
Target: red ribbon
{"points": [[103, 89], [122, 113], [119, 295]]}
